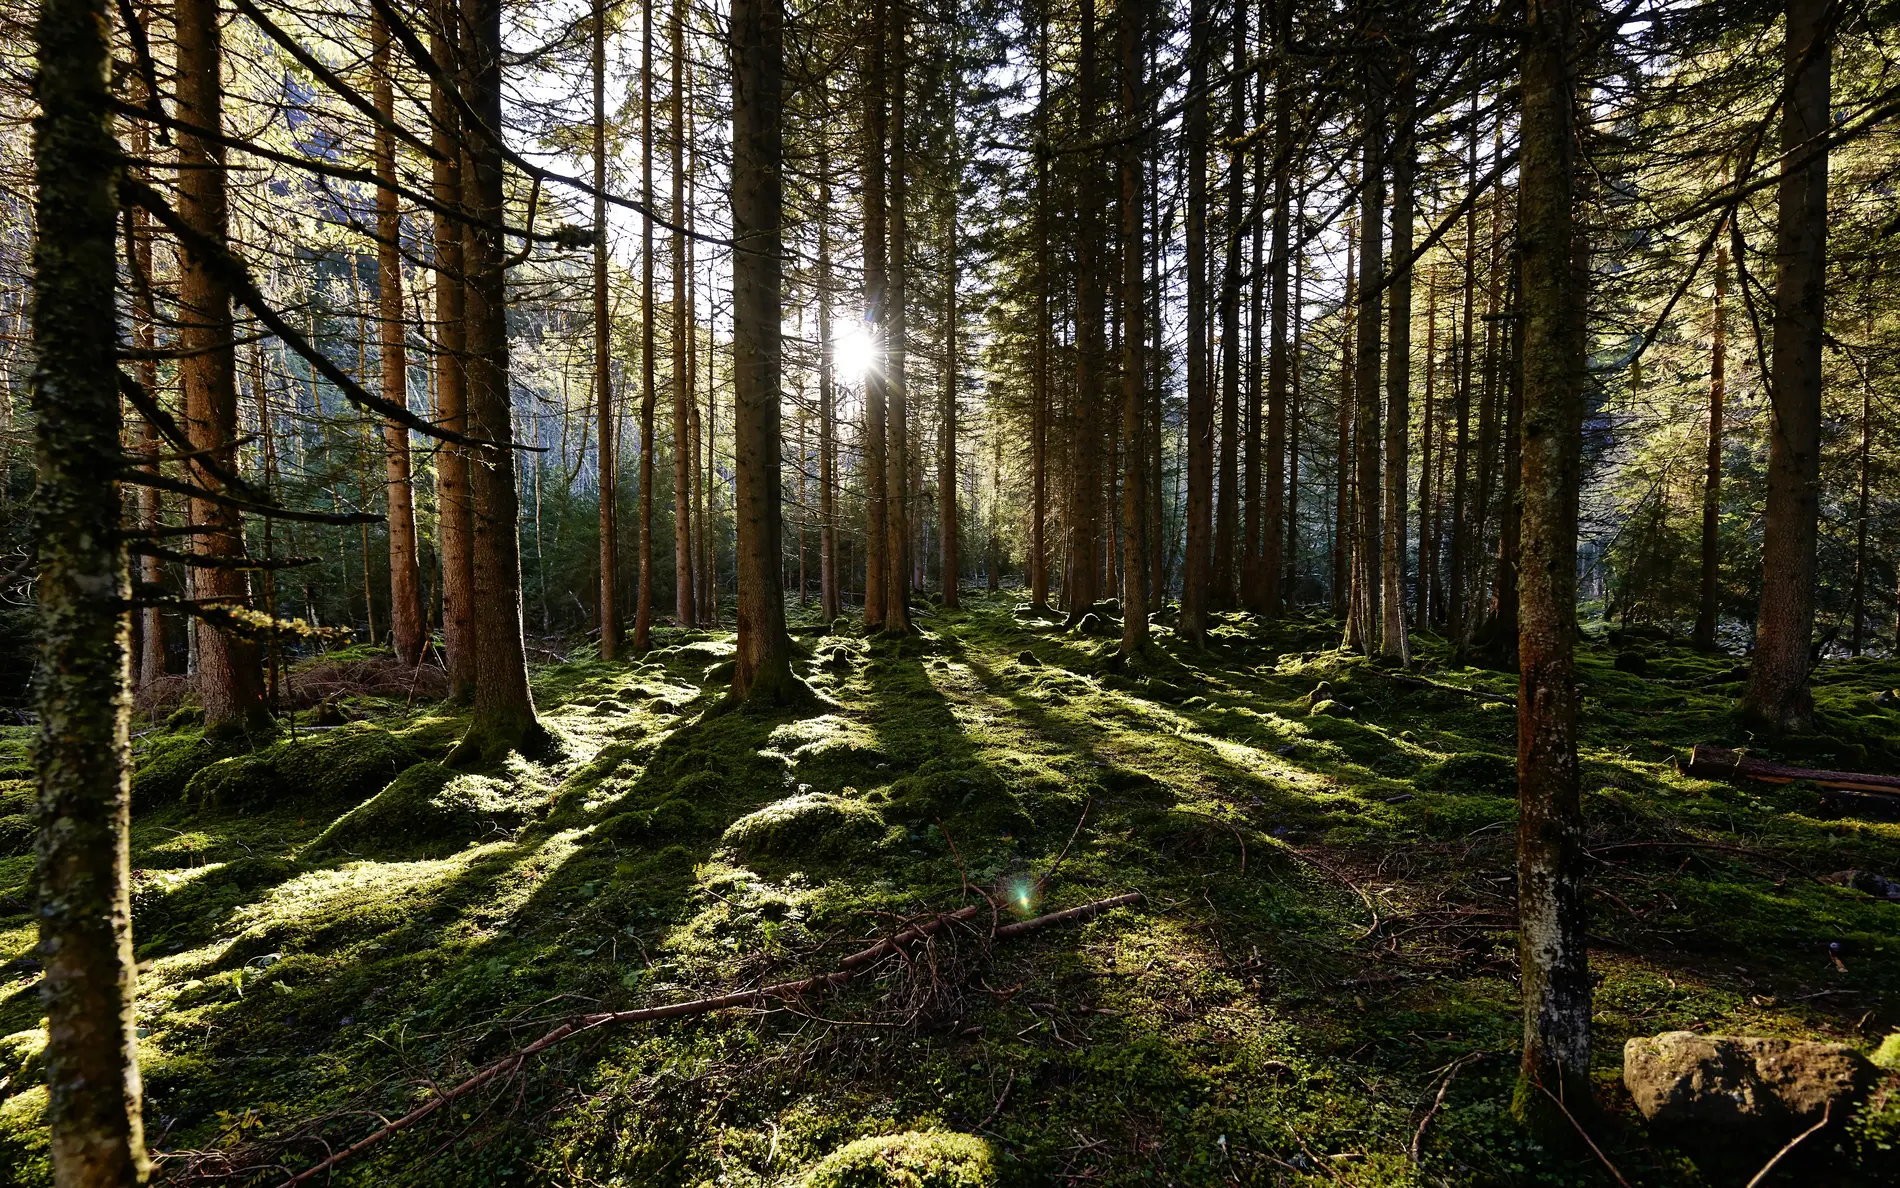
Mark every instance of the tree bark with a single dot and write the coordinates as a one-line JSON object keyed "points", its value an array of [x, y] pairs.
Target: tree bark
{"points": [[1363, 609], [1427, 494], [1707, 603], [1196, 578], [81, 751], [1132, 35], [1081, 575], [1777, 697], [951, 564], [1273, 541], [406, 618], [877, 324], [1459, 561], [1552, 958], [504, 717], [454, 526], [763, 669], [829, 595], [230, 676], [1039, 426], [1393, 643], [897, 483], [1227, 501], [649, 441], [607, 433]]}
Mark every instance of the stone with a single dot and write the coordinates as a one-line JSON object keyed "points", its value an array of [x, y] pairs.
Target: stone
{"points": [[1634, 663], [1680, 1078]]}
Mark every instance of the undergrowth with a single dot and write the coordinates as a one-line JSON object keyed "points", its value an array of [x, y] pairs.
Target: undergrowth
{"points": [[328, 922]]}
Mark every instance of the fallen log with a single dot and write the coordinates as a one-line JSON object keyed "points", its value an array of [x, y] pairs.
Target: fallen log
{"points": [[1720, 763], [1412, 682], [847, 968]]}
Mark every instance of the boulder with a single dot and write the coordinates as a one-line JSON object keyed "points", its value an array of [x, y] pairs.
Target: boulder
{"points": [[1633, 662], [1742, 1082]]}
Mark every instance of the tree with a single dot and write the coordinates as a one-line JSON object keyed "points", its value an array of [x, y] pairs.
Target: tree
{"points": [[1393, 642], [897, 482], [230, 675], [1131, 34], [1711, 568], [1777, 697], [455, 528], [503, 715], [606, 431], [81, 750], [1552, 959], [762, 673], [406, 618], [683, 435], [1196, 580]]}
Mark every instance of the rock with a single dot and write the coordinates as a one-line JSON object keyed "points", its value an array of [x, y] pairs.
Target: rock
{"points": [[1877, 885], [1027, 659], [1089, 624], [1327, 709], [1634, 663], [1741, 1081], [1321, 692]]}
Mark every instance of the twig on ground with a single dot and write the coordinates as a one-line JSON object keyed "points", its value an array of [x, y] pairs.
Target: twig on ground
{"points": [[1586, 1134], [1000, 1099], [1794, 1142], [1444, 1087], [1043, 882], [793, 990]]}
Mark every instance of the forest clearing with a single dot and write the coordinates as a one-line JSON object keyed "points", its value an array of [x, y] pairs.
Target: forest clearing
{"points": [[886, 594]]}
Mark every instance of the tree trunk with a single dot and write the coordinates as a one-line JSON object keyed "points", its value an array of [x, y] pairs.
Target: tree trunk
{"points": [[150, 662], [406, 618], [1342, 462], [607, 434], [643, 613], [685, 599], [454, 526], [1081, 575], [230, 677], [1134, 329], [1459, 562], [1363, 609], [897, 483], [1393, 643], [1777, 697], [763, 669], [1551, 954], [1273, 539], [504, 716], [1196, 580], [877, 324], [1707, 603], [1427, 539], [81, 750], [1039, 427], [948, 528], [828, 573], [1227, 504]]}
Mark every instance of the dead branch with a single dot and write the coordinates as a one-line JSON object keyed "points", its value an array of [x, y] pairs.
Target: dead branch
{"points": [[1720, 763], [793, 990]]}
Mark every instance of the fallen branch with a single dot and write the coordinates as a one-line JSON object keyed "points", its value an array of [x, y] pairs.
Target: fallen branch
{"points": [[1826, 1111], [1720, 763], [847, 968]]}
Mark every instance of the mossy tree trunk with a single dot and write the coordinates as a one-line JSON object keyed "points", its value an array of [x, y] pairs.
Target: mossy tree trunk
{"points": [[1363, 606], [1393, 642], [81, 749], [876, 321], [1777, 697], [763, 671], [1552, 959], [897, 478]]}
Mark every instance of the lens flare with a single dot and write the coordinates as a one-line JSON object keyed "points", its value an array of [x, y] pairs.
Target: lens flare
{"points": [[853, 353]]}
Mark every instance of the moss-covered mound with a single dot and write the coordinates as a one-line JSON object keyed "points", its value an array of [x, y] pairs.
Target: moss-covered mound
{"points": [[346, 764], [428, 810], [165, 765], [957, 788], [675, 819], [172, 910], [813, 825], [914, 1159], [1473, 771], [16, 817]]}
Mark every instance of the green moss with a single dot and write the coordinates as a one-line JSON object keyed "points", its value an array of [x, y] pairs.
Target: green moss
{"points": [[163, 767], [1473, 771], [346, 764], [913, 1159], [812, 825], [427, 811], [172, 910]]}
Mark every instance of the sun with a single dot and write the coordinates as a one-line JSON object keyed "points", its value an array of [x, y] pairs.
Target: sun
{"points": [[853, 353]]}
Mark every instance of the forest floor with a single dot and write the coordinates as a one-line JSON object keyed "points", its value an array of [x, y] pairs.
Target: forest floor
{"points": [[1323, 961]]}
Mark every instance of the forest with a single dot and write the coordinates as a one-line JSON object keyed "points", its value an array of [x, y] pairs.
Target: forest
{"points": [[854, 593]]}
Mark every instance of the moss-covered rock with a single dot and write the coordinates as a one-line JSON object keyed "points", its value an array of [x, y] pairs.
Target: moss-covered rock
{"points": [[914, 1159], [17, 825], [429, 809], [815, 825], [23, 1059], [165, 766], [674, 819], [953, 788], [347, 764], [1473, 771]]}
